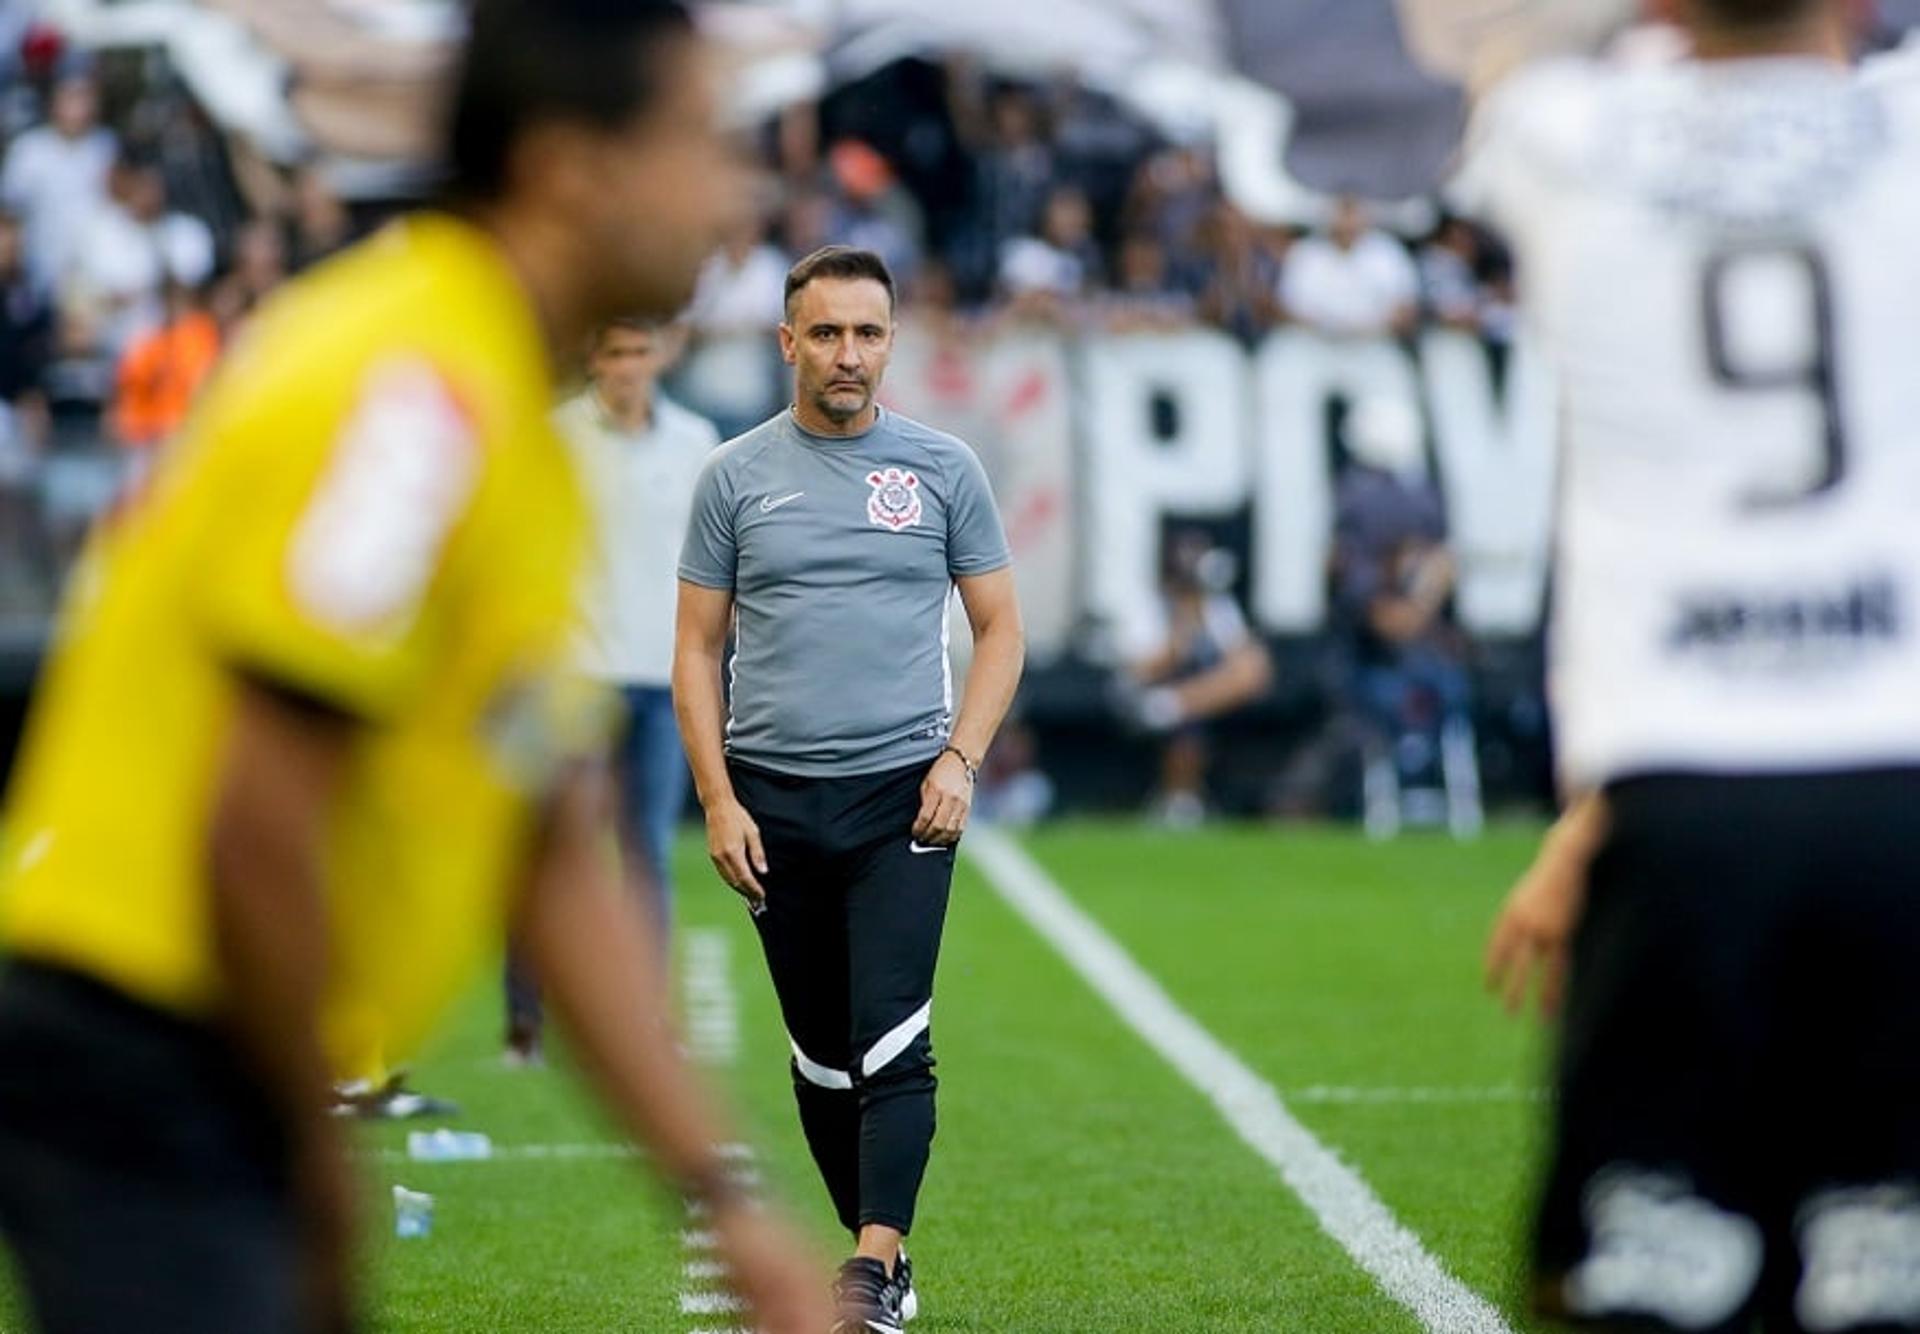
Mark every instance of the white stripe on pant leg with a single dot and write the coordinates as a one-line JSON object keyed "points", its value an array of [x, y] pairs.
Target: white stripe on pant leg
{"points": [[1339, 1198], [815, 1073], [896, 1040]]}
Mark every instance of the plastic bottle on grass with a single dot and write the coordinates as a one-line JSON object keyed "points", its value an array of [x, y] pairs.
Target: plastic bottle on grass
{"points": [[448, 1146], [412, 1213]]}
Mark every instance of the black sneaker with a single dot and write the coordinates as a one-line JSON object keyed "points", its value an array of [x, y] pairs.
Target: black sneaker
{"points": [[391, 1101], [903, 1287], [865, 1300]]}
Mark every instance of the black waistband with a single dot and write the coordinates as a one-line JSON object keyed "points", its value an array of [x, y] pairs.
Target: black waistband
{"points": [[917, 770], [32, 983], [97, 1074]]}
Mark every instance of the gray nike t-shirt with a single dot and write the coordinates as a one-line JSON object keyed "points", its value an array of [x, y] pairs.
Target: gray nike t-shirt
{"points": [[841, 553]]}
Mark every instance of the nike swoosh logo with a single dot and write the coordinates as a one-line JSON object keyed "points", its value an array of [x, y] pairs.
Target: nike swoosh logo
{"points": [[921, 850], [769, 505]]}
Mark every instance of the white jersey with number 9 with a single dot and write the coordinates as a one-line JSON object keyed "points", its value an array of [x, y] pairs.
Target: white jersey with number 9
{"points": [[1723, 260]]}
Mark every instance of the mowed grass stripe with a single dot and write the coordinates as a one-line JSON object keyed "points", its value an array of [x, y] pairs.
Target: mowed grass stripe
{"points": [[1326, 961], [1340, 1199], [1076, 1183]]}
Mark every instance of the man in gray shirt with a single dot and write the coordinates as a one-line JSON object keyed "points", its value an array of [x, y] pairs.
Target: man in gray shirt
{"points": [[831, 541]]}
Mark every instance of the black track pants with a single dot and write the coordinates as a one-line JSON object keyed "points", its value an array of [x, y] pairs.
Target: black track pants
{"points": [[851, 930]]}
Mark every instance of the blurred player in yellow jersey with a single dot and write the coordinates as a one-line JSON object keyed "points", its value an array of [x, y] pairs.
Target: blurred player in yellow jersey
{"points": [[306, 746]]}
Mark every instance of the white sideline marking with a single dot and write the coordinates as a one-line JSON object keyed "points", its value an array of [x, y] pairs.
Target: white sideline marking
{"points": [[706, 985], [588, 1151], [1348, 1211], [710, 1303], [593, 1151], [1345, 1093], [712, 1016]]}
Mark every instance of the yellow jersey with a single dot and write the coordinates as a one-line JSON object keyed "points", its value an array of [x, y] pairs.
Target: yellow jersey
{"points": [[370, 507]]}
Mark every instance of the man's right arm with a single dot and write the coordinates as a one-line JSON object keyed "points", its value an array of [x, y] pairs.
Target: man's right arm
{"points": [[284, 762], [700, 637], [606, 973]]}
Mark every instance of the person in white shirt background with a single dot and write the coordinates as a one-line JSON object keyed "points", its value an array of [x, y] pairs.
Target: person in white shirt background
{"points": [[130, 247], [1353, 282], [731, 372], [639, 454], [55, 176]]}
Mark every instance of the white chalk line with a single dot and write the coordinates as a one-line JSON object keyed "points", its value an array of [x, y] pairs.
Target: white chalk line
{"points": [[711, 1010], [585, 1152], [708, 1000], [1415, 1095], [1346, 1208], [743, 1174]]}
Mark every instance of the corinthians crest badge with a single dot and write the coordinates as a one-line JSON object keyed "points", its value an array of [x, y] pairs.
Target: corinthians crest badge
{"points": [[895, 502]]}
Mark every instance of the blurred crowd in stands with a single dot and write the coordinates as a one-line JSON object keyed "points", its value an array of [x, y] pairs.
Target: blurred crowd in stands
{"points": [[136, 240], [134, 245], [1001, 202]]}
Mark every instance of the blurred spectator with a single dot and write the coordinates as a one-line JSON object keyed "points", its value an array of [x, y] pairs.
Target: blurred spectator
{"points": [[55, 177], [163, 370], [876, 213], [178, 137], [1145, 299], [16, 18], [1353, 282], [1044, 276], [1239, 273], [1017, 166], [640, 454], [806, 222], [1096, 143], [130, 249], [1466, 281], [321, 223], [796, 141], [1394, 575], [259, 266], [933, 302], [1449, 278], [1195, 661], [1174, 193], [1002, 132], [26, 331], [731, 372], [1499, 297], [1012, 789], [26, 344]]}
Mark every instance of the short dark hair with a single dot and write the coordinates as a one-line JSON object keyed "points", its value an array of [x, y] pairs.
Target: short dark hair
{"points": [[1755, 13], [839, 261], [642, 324], [529, 61]]}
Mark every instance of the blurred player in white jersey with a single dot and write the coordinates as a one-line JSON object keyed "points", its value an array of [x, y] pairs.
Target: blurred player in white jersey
{"points": [[1722, 255]]}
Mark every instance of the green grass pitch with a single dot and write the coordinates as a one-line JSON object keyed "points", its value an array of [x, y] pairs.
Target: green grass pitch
{"points": [[1078, 1184]]}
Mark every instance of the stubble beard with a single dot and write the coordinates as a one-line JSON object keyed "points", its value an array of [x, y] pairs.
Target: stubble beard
{"points": [[824, 402]]}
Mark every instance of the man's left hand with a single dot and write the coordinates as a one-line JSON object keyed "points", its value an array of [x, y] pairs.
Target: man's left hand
{"points": [[946, 800]]}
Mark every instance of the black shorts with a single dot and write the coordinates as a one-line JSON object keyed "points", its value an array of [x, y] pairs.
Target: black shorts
{"points": [[1737, 1130], [143, 1184]]}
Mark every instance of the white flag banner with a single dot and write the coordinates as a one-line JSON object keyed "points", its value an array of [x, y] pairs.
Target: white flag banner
{"points": [[1011, 399]]}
